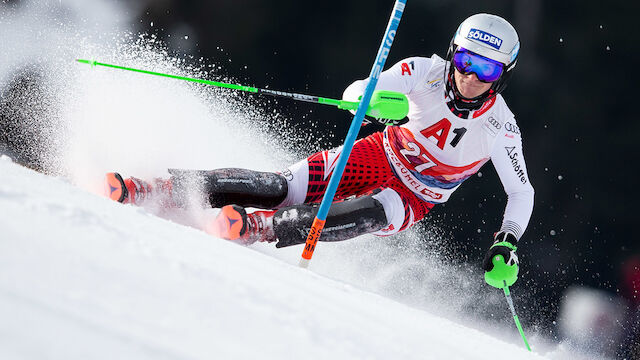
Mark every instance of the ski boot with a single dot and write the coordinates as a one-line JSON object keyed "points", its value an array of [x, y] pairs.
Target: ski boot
{"points": [[135, 191], [233, 223]]}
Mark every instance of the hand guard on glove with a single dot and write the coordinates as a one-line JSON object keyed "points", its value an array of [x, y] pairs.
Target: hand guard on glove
{"points": [[386, 104], [501, 262], [385, 122]]}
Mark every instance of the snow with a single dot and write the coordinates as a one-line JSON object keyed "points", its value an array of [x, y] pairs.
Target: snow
{"points": [[83, 277]]}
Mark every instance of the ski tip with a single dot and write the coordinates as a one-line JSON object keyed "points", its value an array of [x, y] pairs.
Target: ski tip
{"points": [[229, 224], [114, 187]]}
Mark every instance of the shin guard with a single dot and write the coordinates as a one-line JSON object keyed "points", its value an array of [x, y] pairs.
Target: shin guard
{"points": [[346, 219], [242, 187]]}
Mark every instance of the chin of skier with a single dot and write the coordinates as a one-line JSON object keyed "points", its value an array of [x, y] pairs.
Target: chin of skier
{"points": [[457, 121]]}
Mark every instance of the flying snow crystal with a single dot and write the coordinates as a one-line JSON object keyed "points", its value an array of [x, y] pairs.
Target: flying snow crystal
{"points": [[561, 40], [559, 177], [552, 232]]}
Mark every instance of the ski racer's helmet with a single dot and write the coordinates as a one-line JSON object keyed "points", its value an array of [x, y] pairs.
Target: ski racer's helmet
{"points": [[494, 40]]}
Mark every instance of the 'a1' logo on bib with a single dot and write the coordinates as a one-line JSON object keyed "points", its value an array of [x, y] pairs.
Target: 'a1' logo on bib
{"points": [[493, 41]]}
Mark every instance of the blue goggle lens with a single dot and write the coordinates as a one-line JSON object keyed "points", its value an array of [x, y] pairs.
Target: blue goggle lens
{"points": [[468, 62]]}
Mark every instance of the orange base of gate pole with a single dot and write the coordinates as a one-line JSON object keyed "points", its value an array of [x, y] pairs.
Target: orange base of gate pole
{"points": [[312, 240]]}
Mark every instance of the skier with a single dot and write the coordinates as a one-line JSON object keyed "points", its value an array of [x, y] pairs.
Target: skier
{"points": [[457, 121]]}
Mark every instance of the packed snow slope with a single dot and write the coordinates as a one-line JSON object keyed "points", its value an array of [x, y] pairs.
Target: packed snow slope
{"points": [[82, 277]]}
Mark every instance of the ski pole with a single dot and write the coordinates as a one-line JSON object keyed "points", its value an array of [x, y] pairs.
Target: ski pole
{"points": [[507, 294], [356, 123], [385, 105]]}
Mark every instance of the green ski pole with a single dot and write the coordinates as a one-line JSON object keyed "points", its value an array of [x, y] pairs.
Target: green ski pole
{"points": [[507, 294], [383, 105]]}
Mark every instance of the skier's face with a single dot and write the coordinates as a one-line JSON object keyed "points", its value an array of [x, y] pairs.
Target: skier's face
{"points": [[469, 85]]}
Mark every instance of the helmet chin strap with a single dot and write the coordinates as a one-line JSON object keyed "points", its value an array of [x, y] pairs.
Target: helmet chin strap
{"points": [[462, 103]]}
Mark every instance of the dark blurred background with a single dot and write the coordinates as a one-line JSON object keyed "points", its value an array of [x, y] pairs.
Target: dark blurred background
{"points": [[570, 93]]}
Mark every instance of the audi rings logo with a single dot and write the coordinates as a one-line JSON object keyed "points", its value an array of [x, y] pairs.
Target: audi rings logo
{"points": [[494, 122], [492, 126], [512, 128], [287, 174]]}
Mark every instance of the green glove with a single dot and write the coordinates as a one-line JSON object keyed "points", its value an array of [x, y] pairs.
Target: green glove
{"points": [[501, 262], [387, 108]]}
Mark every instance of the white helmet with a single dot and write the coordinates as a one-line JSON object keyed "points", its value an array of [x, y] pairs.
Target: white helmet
{"points": [[492, 37]]}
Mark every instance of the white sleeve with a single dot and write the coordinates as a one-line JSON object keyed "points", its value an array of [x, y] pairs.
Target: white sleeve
{"points": [[401, 77], [508, 159]]}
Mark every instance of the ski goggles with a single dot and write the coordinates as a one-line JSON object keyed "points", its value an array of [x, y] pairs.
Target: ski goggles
{"points": [[467, 62]]}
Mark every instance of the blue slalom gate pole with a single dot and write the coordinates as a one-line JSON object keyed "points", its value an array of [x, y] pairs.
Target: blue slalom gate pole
{"points": [[356, 123]]}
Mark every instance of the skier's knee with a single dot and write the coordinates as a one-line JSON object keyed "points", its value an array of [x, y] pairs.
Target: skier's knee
{"points": [[399, 216], [297, 177]]}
